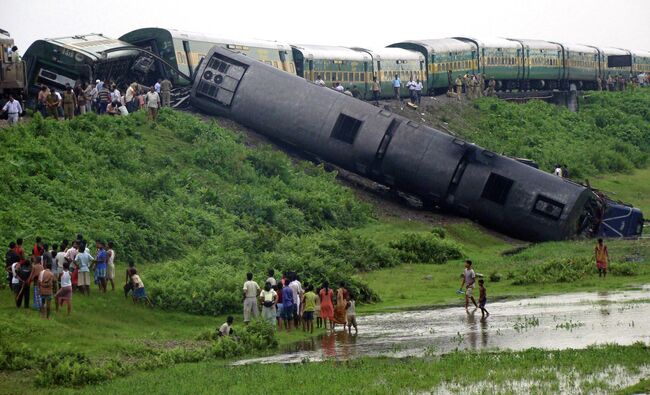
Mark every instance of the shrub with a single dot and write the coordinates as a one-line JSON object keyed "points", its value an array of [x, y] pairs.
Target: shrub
{"points": [[425, 248], [495, 277], [439, 231], [623, 269], [555, 271]]}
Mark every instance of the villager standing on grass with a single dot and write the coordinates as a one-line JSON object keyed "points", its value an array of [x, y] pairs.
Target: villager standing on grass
{"points": [[153, 103], [64, 295], [37, 269], [46, 286], [469, 277], [268, 298], [166, 92], [83, 260], [250, 291], [100, 265], [602, 257], [110, 268], [340, 311], [287, 306]]}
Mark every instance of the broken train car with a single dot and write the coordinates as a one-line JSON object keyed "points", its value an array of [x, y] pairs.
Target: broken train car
{"points": [[443, 171]]}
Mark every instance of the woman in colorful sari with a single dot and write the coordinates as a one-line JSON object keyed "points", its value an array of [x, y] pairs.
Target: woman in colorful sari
{"points": [[326, 307], [340, 311]]}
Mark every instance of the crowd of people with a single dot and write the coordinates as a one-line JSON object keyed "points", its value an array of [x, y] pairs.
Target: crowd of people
{"points": [[289, 304], [103, 97], [55, 272]]}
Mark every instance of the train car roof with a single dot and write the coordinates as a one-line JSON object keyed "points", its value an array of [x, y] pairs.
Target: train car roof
{"points": [[194, 36], [92, 45], [641, 53], [580, 48], [492, 42], [537, 44], [330, 52], [440, 45], [614, 51], [392, 53]]}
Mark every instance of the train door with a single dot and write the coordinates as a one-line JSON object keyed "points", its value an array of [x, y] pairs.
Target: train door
{"points": [[365, 81], [300, 67], [188, 56], [474, 65]]}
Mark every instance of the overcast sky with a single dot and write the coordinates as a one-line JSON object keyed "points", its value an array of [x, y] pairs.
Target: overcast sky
{"points": [[349, 23]]}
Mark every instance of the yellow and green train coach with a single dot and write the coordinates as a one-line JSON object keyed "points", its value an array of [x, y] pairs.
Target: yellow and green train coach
{"points": [[333, 65], [184, 50], [498, 58], [65, 61], [640, 62], [390, 62], [445, 60]]}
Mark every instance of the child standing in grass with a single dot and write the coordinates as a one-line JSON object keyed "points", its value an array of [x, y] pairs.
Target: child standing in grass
{"points": [[351, 314], [128, 285], [309, 301], [65, 292], [482, 298], [138, 286]]}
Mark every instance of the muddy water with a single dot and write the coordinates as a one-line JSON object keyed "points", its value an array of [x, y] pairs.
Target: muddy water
{"points": [[552, 322]]}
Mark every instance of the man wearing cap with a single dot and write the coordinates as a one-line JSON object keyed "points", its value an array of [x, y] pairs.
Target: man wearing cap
{"points": [[13, 110]]}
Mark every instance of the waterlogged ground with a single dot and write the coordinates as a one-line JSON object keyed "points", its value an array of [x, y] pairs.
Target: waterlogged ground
{"points": [[550, 322]]}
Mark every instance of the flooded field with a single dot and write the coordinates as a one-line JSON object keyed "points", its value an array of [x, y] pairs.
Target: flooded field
{"points": [[552, 322]]}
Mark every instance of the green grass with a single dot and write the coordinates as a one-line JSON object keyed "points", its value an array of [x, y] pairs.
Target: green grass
{"points": [[632, 188], [537, 371], [417, 285]]}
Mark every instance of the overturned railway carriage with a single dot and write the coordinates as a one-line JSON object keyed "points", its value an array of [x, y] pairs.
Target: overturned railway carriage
{"points": [[184, 50], [67, 60], [442, 170], [12, 71]]}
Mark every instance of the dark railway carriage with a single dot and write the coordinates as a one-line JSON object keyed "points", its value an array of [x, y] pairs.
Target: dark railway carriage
{"points": [[444, 171]]}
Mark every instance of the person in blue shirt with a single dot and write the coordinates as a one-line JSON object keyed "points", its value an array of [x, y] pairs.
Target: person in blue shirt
{"points": [[397, 84], [287, 307], [100, 266]]}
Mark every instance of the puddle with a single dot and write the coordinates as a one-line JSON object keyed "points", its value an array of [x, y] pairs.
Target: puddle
{"points": [[564, 321]]}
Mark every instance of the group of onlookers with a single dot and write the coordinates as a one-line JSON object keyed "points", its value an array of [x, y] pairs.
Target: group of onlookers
{"points": [[103, 97], [47, 273], [290, 304]]}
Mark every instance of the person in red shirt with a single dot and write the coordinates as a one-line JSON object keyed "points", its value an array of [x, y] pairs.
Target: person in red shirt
{"points": [[38, 247], [19, 251]]}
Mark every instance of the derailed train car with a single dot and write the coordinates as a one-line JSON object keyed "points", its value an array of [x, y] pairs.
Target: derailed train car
{"points": [[443, 171]]}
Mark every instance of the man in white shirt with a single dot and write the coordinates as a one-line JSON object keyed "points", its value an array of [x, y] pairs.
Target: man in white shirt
{"points": [[319, 81], [13, 110], [271, 280], [558, 171], [418, 90], [251, 290], [116, 95], [83, 260], [411, 86], [338, 87], [153, 103], [157, 86], [296, 290]]}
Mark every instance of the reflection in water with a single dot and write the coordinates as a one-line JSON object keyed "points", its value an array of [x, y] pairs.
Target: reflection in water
{"points": [[471, 328], [484, 332], [554, 322]]}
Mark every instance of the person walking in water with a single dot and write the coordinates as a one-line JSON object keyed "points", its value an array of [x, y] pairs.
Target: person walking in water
{"points": [[469, 277], [602, 256]]}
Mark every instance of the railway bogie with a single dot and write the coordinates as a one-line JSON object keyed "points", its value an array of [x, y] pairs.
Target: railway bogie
{"points": [[442, 170]]}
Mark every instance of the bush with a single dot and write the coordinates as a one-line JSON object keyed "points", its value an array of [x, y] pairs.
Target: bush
{"points": [[616, 122], [555, 271], [439, 231], [623, 269], [495, 277], [425, 248]]}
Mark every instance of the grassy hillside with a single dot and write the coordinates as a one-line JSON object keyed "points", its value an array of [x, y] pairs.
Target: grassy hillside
{"points": [[610, 133]]}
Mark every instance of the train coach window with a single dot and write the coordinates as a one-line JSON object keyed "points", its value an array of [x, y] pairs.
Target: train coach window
{"points": [[548, 207], [497, 188], [346, 128]]}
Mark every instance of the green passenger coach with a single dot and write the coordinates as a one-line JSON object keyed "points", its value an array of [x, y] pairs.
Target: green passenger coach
{"points": [[388, 62], [65, 61], [333, 64], [184, 50], [446, 59], [498, 58]]}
